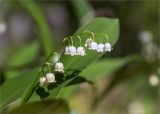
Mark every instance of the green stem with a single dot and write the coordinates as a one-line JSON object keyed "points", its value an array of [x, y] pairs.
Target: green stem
{"points": [[80, 40], [103, 35], [90, 33], [71, 41], [67, 40]]}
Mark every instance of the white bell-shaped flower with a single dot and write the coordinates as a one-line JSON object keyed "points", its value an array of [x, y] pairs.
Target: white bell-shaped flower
{"points": [[88, 42], [100, 48], [107, 47], [59, 67], [81, 51], [42, 81], [50, 77], [66, 51], [93, 45], [72, 50]]}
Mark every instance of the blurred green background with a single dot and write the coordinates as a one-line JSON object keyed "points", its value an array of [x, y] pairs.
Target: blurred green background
{"points": [[29, 30]]}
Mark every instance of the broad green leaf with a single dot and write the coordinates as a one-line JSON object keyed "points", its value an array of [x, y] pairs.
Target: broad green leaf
{"points": [[98, 25], [24, 55], [102, 68], [56, 93], [43, 107], [13, 88], [95, 71]]}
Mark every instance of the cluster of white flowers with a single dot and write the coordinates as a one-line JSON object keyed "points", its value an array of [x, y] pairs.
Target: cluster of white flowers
{"points": [[90, 43], [50, 77], [72, 50]]}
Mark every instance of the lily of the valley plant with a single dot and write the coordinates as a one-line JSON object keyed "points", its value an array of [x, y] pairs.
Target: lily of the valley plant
{"points": [[71, 50]]}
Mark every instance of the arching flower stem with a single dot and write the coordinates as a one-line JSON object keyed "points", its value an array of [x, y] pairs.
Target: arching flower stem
{"points": [[71, 40], [103, 35], [80, 41], [66, 38]]}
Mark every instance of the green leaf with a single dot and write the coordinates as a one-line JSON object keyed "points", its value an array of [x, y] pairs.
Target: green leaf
{"points": [[95, 71], [77, 63], [13, 88], [84, 14], [98, 25], [102, 68], [40, 19], [24, 55], [56, 93], [43, 107]]}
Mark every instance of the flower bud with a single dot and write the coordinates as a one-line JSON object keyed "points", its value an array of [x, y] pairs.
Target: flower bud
{"points": [[107, 47], [55, 59], [50, 77], [93, 46], [81, 51], [100, 47], [72, 50], [88, 42], [42, 81], [59, 67], [67, 51]]}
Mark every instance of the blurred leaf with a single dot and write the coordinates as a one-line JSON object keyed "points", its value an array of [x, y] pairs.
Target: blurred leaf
{"points": [[102, 68], [43, 107], [100, 25], [11, 73], [39, 18], [13, 88], [84, 14], [24, 55]]}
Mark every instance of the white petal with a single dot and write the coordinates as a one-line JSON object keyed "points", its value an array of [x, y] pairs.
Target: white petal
{"points": [[42, 80], [59, 67], [66, 51], [55, 59], [72, 50], [107, 47], [100, 47], [50, 77], [93, 46]]}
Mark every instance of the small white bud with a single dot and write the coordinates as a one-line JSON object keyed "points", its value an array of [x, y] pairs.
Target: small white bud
{"points": [[55, 59], [100, 48], [72, 50], [59, 67], [50, 77], [42, 81], [81, 51], [88, 42], [93, 46], [107, 47], [67, 51]]}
